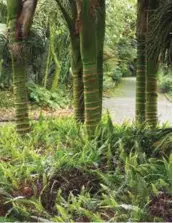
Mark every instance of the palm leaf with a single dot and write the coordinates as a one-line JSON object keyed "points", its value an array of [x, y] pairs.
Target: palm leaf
{"points": [[160, 36]]}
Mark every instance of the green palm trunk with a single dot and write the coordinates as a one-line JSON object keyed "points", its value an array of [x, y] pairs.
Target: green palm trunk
{"points": [[19, 70], [20, 91], [141, 62], [89, 61], [152, 68], [141, 81], [78, 86], [151, 96], [101, 16], [76, 61]]}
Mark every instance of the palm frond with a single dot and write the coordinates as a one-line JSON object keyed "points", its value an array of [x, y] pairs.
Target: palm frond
{"points": [[160, 37]]}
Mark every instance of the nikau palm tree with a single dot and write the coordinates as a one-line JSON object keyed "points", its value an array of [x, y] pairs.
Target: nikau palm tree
{"points": [[88, 45], [152, 69], [101, 16], [85, 50], [159, 49], [20, 15], [141, 61], [154, 46], [76, 61]]}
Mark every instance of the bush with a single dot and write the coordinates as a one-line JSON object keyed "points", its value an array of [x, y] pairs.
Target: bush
{"points": [[46, 98], [112, 78], [165, 80], [165, 84]]}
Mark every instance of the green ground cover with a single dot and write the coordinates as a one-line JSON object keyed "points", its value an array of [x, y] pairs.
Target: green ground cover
{"points": [[57, 173]]}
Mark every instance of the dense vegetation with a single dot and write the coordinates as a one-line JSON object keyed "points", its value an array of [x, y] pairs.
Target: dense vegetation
{"points": [[61, 158], [124, 174]]}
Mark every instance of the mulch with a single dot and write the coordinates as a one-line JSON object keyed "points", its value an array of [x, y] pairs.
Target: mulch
{"points": [[8, 115]]}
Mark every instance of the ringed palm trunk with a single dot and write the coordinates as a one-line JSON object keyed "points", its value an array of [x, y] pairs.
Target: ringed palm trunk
{"points": [[78, 86], [101, 16], [89, 61], [141, 81], [151, 97], [76, 61], [141, 62], [20, 91], [19, 70], [152, 69]]}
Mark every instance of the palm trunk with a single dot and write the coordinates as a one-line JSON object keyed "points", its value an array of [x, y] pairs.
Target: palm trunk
{"points": [[76, 62], [19, 70], [151, 96], [20, 91], [78, 86], [141, 81], [152, 68], [141, 62], [89, 61], [101, 14]]}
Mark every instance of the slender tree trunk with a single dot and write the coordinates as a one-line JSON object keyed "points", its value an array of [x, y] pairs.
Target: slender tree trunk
{"points": [[20, 91], [141, 81], [19, 70], [78, 86], [101, 16], [76, 62], [151, 97], [20, 16], [89, 61], [152, 69], [141, 61], [55, 79], [48, 60]]}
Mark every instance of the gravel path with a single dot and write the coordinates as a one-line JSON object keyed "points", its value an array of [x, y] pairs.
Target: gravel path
{"points": [[122, 105]]}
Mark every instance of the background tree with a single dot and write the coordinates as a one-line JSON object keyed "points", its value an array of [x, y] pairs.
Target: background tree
{"points": [[120, 41]]}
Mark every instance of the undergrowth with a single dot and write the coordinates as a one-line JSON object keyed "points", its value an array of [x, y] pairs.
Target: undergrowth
{"points": [[57, 174], [45, 98], [39, 96], [7, 99]]}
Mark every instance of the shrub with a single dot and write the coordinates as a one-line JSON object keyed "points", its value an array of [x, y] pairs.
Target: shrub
{"points": [[46, 98], [165, 79], [165, 84]]}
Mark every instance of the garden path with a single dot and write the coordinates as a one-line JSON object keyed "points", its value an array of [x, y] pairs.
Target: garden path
{"points": [[121, 106]]}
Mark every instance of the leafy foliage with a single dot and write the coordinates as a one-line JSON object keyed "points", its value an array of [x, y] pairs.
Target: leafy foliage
{"points": [[160, 37], [46, 98], [120, 34], [37, 45], [3, 11], [165, 80], [130, 172], [7, 99]]}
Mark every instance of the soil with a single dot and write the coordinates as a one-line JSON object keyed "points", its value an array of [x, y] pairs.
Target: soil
{"points": [[69, 181], [161, 206]]}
